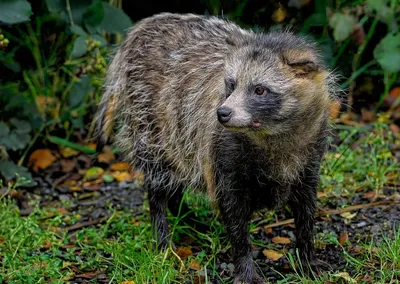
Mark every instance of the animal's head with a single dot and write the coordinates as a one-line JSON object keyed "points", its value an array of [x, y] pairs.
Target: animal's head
{"points": [[273, 82]]}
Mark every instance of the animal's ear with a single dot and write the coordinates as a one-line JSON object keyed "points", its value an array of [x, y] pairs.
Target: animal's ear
{"points": [[302, 63]]}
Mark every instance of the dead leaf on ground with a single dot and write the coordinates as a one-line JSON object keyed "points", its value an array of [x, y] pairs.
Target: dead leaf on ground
{"points": [[370, 194], [344, 236], [348, 215], [67, 165], [184, 252], [41, 159], [272, 254], [195, 265], [345, 276], [68, 152], [128, 282], [93, 173], [106, 157], [2, 240], [122, 176], [47, 244], [120, 167], [281, 240]]}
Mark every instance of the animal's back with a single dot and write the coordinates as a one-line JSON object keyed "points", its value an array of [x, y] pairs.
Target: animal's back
{"points": [[167, 81]]}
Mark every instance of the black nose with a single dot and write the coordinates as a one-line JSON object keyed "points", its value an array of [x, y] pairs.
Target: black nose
{"points": [[224, 114]]}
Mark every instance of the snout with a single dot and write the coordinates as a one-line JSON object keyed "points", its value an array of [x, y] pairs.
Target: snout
{"points": [[224, 114]]}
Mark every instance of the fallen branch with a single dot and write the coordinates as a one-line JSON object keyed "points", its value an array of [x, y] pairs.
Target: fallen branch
{"points": [[87, 224], [336, 211]]}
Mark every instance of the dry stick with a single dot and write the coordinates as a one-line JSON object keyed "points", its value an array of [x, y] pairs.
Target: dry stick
{"points": [[87, 224], [337, 211]]}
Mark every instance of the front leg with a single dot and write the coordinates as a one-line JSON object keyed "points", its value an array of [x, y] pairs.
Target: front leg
{"points": [[236, 212], [302, 202]]}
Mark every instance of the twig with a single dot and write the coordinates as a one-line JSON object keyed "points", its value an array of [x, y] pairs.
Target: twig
{"points": [[336, 211], [87, 224]]}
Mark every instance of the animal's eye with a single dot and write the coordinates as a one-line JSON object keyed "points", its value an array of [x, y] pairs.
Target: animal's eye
{"points": [[260, 91], [230, 87]]}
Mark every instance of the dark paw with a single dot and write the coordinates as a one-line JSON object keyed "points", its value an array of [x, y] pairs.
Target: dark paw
{"points": [[254, 280]]}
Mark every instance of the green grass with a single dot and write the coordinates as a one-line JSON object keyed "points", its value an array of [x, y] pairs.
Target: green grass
{"points": [[34, 249]]}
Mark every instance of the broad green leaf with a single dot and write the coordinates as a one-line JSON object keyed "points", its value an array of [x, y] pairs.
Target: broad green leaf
{"points": [[343, 26], [75, 29], [15, 11], [387, 53], [21, 126], [314, 20], [80, 48], [4, 130], [78, 91], [94, 14], [115, 20], [9, 171], [15, 141], [55, 6]]}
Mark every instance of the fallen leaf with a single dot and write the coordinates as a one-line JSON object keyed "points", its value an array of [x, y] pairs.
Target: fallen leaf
{"points": [[392, 97], [344, 236], [195, 265], [122, 176], [47, 244], [281, 240], [345, 276], [120, 167], [268, 230], [91, 186], [67, 165], [41, 159], [68, 152], [93, 173], [75, 188], [272, 254], [108, 178], [128, 282], [367, 116], [348, 215], [62, 210], [395, 129], [184, 252], [370, 194], [2, 240], [321, 194], [106, 157]]}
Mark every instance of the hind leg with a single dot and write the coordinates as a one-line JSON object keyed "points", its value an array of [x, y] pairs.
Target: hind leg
{"points": [[161, 188]]}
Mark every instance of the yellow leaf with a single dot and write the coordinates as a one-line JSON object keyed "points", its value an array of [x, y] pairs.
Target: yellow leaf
{"points": [[128, 282], [106, 157], [345, 276], [120, 167], [68, 152], [122, 176], [272, 254], [281, 240], [348, 215], [195, 265], [41, 159]]}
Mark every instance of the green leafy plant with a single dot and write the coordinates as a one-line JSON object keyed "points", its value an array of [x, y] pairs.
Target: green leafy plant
{"points": [[53, 58]]}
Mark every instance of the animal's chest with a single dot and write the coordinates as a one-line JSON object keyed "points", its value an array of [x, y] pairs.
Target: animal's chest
{"points": [[264, 190]]}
